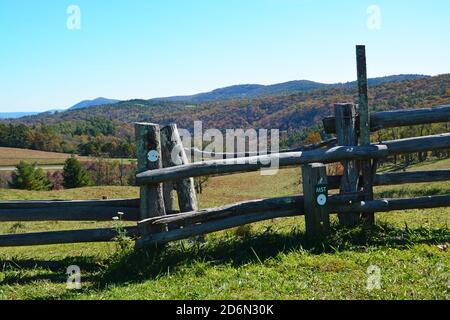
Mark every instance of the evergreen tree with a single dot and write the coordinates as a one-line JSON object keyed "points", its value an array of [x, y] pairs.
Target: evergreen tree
{"points": [[29, 177], [75, 176]]}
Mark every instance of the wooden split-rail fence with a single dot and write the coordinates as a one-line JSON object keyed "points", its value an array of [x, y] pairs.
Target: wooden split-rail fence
{"points": [[164, 169]]}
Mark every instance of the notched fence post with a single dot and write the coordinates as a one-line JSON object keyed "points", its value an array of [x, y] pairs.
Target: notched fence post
{"points": [[148, 149], [315, 190], [174, 155]]}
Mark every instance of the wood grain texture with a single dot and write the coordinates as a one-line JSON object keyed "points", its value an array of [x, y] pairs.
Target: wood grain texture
{"points": [[216, 167], [398, 118], [346, 135], [148, 139], [62, 237], [175, 155]]}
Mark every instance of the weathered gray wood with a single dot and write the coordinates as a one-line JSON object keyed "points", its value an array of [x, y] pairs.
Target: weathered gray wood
{"points": [[398, 178], [363, 97], [64, 204], [61, 237], [168, 187], [151, 239], [174, 155], [169, 196], [418, 144], [201, 216], [364, 128], [336, 154], [255, 163], [91, 210], [317, 219], [336, 204], [346, 135], [72, 213], [398, 118], [385, 205], [148, 140], [226, 155], [411, 177]]}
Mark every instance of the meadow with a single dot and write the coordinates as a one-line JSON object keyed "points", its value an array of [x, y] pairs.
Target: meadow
{"points": [[12, 157], [266, 260]]}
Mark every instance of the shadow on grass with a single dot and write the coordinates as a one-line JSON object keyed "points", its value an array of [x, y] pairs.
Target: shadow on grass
{"points": [[235, 251], [129, 266], [23, 271]]}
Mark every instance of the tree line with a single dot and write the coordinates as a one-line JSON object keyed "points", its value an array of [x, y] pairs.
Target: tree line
{"points": [[75, 174]]}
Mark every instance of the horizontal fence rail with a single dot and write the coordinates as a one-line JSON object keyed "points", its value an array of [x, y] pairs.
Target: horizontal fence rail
{"points": [[215, 167], [207, 154], [62, 237], [216, 219], [336, 154], [398, 178], [398, 118], [105, 210], [93, 210]]}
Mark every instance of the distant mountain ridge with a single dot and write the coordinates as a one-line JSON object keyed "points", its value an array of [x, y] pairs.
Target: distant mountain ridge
{"points": [[257, 91], [95, 102], [244, 91]]}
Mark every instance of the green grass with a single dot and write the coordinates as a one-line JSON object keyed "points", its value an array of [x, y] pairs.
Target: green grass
{"points": [[267, 260]]}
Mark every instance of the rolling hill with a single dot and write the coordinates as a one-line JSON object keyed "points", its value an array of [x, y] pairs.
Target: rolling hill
{"points": [[248, 91], [95, 102], [109, 129]]}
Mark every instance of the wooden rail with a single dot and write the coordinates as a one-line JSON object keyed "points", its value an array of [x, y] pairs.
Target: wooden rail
{"points": [[105, 210], [221, 218], [398, 178], [336, 154], [255, 163], [62, 237], [398, 118], [101, 210]]}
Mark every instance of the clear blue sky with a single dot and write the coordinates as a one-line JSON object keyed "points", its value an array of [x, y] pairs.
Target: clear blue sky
{"points": [[152, 48]]}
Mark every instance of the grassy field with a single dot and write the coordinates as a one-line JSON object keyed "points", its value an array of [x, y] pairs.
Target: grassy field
{"points": [[267, 260], [12, 156]]}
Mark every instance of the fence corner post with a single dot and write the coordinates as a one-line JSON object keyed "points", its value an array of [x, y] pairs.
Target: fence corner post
{"points": [[315, 190], [346, 132], [148, 149]]}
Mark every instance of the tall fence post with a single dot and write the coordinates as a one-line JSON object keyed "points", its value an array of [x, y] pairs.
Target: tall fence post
{"points": [[364, 128], [175, 155], [345, 114], [148, 149], [315, 190]]}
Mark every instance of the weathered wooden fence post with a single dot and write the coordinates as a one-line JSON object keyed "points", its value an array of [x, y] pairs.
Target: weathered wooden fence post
{"points": [[148, 149], [315, 190], [364, 128], [175, 155], [345, 114]]}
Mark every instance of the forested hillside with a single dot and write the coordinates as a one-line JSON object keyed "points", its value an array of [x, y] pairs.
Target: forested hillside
{"points": [[108, 129]]}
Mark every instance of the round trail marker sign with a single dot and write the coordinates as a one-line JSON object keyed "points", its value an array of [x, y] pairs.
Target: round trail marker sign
{"points": [[153, 156], [321, 193]]}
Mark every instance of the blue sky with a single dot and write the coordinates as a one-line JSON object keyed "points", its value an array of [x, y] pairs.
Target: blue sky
{"points": [[144, 49]]}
